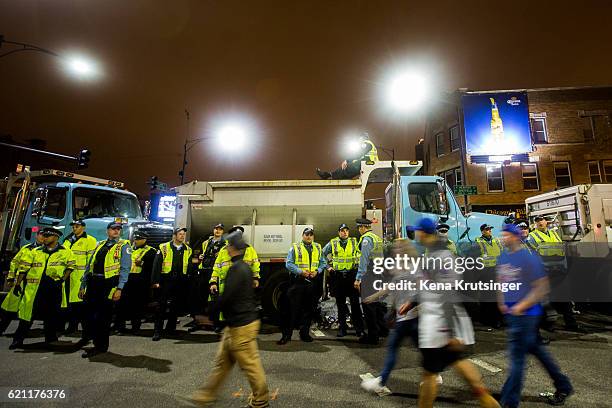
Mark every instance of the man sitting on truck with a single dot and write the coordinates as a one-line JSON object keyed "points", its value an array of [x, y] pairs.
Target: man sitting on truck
{"points": [[351, 167]]}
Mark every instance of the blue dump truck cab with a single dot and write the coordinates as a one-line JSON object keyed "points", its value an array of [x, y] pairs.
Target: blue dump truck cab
{"points": [[38, 199], [429, 196]]}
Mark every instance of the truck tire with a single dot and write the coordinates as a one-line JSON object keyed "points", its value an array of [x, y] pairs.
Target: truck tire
{"points": [[274, 294]]}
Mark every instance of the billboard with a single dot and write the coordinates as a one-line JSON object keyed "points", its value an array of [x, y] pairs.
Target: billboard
{"points": [[496, 123], [163, 206]]}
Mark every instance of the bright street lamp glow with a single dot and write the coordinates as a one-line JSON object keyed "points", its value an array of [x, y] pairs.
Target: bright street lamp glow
{"points": [[406, 91], [81, 67], [354, 146], [232, 137]]}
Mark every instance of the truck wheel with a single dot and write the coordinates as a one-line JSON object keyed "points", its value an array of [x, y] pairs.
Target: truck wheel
{"points": [[273, 295]]}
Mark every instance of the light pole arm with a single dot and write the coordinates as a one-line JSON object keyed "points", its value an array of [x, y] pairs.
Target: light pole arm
{"points": [[24, 47]]}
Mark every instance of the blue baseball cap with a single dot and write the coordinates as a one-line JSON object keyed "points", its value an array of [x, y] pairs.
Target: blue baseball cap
{"points": [[513, 229], [426, 225]]}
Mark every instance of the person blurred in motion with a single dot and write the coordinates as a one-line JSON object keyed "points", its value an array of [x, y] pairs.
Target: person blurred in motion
{"points": [[10, 304], [82, 246], [219, 274], [342, 255], [370, 248], [404, 325], [103, 281], [351, 167], [239, 341], [201, 287], [445, 328], [169, 276], [304, 262], [547, 243], [490, 248], [523, 310], [136, 291]]}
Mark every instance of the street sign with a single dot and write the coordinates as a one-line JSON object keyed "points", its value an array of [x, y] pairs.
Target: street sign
{"points": [[465, 190]]}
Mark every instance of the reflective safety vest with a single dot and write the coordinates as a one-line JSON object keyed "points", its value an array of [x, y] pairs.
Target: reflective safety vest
{"points": [[224, 262], [112, 261], [166, 251], [344, 258], [83, 249], [489, 252], [205, 247], [451, 246], [377, 250], [137, 255], [36, 263], [547, 245], [11, 301], [370, 157], [305, 262]]}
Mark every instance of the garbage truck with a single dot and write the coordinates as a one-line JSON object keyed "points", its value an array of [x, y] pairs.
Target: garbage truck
{"points": [[31, 200], [274, 213]]}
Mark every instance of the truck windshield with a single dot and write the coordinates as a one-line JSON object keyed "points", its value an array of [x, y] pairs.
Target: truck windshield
{"points": [[424, 197], [94, 203]]}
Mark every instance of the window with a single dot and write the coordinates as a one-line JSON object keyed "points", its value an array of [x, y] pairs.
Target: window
{"points": [[588, 128], [425, 197], [530, 177], [458, 178], [455, 141], [495, 178], [94, 203], [452, 177], [55, 203], [607, 170], [562, 174], [594, 173], [440, 144], [538, 130]]}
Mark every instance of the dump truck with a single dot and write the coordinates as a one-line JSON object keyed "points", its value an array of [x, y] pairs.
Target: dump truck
{"points": [[274, 213], [31, 200]]}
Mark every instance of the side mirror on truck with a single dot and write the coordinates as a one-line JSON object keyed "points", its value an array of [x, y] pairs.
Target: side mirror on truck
{"points": [[40, 203], [443, 200]]}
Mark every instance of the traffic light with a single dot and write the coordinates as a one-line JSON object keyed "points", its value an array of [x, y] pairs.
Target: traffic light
{"points": [[154, 183], [83, 159]]}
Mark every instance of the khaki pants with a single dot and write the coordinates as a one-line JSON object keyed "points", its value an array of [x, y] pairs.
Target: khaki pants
{"points": [[238, 345]]}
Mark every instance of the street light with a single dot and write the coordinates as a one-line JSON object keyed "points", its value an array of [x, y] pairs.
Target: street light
{"points": [[406, 91], [78, 66]]}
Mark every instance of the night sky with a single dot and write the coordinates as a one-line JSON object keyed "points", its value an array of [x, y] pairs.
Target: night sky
{"points": [[303, 73]]}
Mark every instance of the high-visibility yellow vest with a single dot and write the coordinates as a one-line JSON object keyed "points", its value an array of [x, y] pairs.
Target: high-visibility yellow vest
{"points": [[377, 249], [34, 264], [224, 262], [83, 249], [489, 252], [305, 262], [344, 258], [547, 245], [167, 257], [11, 301], [137, 255], [370, 157], [112, 260]]}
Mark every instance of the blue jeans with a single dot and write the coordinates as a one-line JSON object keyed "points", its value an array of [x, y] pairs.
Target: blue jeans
{"points": [[522, 339], [400, 330]]}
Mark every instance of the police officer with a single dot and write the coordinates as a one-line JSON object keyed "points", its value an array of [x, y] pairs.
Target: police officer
{"points": [[524, 235], [490, 249], [351, 167], [371, 247], [170, 277], [549, 245], [10, 304], [305, 261], [210, 250], [83, 247], [342, 257], [102, 284], [43, 269], [442, 229], [135, 294], [219, 274]]}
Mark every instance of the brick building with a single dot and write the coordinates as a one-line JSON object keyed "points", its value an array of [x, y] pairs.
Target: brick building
{"points": [[571, 135]]}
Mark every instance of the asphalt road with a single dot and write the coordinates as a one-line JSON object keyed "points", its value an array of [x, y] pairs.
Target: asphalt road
{"points": [[140, 373]]}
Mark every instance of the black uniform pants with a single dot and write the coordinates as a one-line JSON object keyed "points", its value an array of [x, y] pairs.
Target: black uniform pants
{"points": [[375, 319], [75, 313], [489, 311], [302, 305], [198, 291], [99, 310], [134, 298], [171, 297], [352, 170], [343, 282], [46, 307]]}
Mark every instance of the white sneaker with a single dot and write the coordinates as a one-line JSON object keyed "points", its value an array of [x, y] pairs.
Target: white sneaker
{"points": [[374, 385]]}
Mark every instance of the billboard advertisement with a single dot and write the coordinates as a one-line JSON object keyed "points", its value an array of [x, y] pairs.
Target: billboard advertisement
{"points": [[496, 123], [163, 207]]}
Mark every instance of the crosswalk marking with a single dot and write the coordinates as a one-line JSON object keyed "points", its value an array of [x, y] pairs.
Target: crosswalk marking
{"points": [[485, 365]]}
